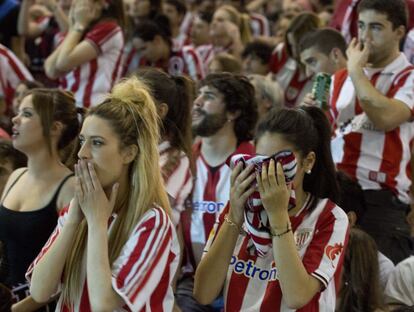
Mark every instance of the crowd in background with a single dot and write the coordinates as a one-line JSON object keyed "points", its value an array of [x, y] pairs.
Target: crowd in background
{"points": [[189, 155]]}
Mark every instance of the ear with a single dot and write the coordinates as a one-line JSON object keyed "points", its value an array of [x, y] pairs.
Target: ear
{"points": [[129, 154], [352, 218], [56, 128], [309, 161], [400, 32], [231, 116], [162, 110]]}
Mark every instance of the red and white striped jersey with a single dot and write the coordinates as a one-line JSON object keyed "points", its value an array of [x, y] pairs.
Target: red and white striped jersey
{"points": [[291, 79], [376, 159], [259, 25], [180, 41], [210, 195], [91, 81], [409, 46], [321, 236], [187, 24], [12, 72], [178, 179], [143, 272], [185, 61]]}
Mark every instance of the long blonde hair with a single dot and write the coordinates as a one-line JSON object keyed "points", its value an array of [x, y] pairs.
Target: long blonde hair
{"points": [[131, 112], [242, 21]]}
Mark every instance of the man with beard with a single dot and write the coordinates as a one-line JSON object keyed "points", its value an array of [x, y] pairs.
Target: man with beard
{"points": [[224, 117], [372, 104]]}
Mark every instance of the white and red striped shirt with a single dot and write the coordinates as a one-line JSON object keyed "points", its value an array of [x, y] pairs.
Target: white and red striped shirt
{"points": [[210, 195], [321, 236], [376, 159], [177, 176], [90, 82], [143, 272], [259, 25], [291, 79], [12, 72]]}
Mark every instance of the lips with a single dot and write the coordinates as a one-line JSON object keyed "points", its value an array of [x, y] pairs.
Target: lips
{"points": [[15, 133]]}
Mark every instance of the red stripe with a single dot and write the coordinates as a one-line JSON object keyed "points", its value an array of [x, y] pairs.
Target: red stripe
{"points": [[278, 60], [297, 85], [136, 253], [199, 69], [115, 72], [238, 283], [76, 76], [210, 195], [352, 151], [84, 302], [93, 66], [392, 155], [160, 292], [154, 264]]}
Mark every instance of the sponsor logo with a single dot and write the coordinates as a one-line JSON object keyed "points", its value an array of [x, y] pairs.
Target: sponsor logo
{"points": [[248, 269], [332, 251], [208, 206]]}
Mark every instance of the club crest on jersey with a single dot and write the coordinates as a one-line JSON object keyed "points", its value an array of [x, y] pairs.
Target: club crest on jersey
{"points": [[176, 65], [302, 237], [291, 93], [333, 251]]}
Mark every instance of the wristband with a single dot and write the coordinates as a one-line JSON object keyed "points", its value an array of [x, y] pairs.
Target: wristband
{"points": [[274, 234], [231, 223], [79, 29]]}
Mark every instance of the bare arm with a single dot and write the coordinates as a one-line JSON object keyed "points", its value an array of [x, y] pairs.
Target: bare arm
{"points": [[25, 26], [385, 113]]}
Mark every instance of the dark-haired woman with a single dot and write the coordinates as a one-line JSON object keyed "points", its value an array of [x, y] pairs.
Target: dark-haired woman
{"points": [[174, 98], [88, 61], [153, 42], [289, 254], [47, 121]]}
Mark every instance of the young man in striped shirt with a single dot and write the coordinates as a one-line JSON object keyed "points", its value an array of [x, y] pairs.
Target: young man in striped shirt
{"points": [[372, 105]]}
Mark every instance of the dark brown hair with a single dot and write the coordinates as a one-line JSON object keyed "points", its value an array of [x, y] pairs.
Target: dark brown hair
{"points": [[56, 105], [395, 10], [360, 286]]}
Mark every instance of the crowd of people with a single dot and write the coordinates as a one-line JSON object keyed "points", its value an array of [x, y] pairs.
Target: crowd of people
{"points": [[207, 156]]}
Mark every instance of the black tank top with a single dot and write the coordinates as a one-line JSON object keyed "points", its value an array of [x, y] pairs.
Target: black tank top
{"points": [[23, 234]]}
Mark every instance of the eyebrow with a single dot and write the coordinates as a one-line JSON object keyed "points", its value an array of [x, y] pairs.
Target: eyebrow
{"points": [[92, 137], [372, 24]]}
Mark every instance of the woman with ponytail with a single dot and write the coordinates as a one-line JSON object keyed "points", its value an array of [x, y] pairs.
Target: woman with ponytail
{"points": [[46, 123], [115, 247], [280, 243], [174, 99]]}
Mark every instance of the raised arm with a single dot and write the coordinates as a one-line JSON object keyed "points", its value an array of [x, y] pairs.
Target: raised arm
{"points": [[385, 113], [25, 25]]}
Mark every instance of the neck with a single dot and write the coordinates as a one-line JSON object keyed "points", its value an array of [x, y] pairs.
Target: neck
{"points": [[42, 162], [301, 197], [222, 41], [218, 147]]}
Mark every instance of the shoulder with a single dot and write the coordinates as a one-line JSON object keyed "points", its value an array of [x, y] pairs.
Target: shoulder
{"points": [[102, 31], [66, 193], [155, 218], [328, 212], [14, 176]]}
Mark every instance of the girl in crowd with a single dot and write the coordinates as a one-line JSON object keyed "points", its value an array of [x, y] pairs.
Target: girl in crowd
{"points": [[174, 98], [153, 44], [115, 247], [89, 58], [47, 122], [285, 64], [289, 254]]}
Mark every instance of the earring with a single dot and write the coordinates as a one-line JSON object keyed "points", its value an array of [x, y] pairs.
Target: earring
{"points": [[308, 171]]}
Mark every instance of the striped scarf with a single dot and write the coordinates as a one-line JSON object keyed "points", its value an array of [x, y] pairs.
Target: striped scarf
{"points": [[255, 216]]}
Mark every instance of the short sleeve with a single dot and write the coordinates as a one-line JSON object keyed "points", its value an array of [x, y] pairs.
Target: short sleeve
{"points": [[405, 91], [61, 221], [146, 260], [99, 36], [326, 251]]}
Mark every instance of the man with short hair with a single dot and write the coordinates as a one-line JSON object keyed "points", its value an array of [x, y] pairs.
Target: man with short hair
{"points": [[256, 58], [372, 105], [224, 118]]}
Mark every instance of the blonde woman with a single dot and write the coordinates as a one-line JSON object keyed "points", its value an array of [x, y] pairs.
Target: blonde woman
{"points": [[115, 248]]}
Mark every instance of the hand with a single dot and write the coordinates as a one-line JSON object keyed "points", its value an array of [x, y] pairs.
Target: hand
{"points": [[357, 55], [309, 100], [75, 214], [91, 197], [274, 192], [240, 190], [50, 4], [84, 12]]}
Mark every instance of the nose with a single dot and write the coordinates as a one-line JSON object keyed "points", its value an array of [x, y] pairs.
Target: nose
{"points": [[309, 72], [84, 151], [198, 102], [365, 34], [15, 119]]}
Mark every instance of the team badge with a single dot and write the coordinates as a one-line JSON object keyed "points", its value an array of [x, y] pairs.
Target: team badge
{"points": [[332, 251], [176, 66], [302, 237]]}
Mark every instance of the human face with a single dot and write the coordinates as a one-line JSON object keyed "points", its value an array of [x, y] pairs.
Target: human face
{"points": [[27, 127], [316, 62], [172, 14], [139, 8], [253, 65], [101, 146], [18, 96], [209, 114], [375, 28], [200, 32], [147, 49], [218, 24], [272, 143]]}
